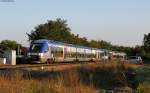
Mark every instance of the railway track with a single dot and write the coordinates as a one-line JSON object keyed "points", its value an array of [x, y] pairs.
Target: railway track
{"points": [[21, 66]]}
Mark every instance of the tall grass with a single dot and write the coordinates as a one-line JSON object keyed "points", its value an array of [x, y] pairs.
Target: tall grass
{"points": [[83, 79], [143, 75], [144, 87], [66, 82], [106, 76]]}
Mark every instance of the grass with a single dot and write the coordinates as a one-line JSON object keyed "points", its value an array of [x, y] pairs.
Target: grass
{"points": [[107, 76], [83, 79], [65, 82], [42, 86], [143, 75]]}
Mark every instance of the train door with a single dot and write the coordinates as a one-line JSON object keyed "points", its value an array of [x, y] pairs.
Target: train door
{"points": [[65, 53], [98, 55], [52, 53], [49, 52], [46, 55]]}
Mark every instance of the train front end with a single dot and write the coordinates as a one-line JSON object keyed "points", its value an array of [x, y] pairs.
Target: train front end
{"points": [[37, 51]]}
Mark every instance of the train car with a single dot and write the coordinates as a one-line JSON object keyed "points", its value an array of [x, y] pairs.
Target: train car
{"points": [[118, 55], [42, 51], [104, 54]]}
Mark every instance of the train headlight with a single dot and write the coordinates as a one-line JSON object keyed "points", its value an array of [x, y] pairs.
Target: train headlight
{"points": [[41, 54]]}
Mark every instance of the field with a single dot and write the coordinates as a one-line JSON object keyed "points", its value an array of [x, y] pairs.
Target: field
{"points": [[83, 79]]}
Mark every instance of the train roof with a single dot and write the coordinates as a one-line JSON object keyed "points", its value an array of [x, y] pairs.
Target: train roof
{"points": [[48, 41], [61, 43], [104, 50]]}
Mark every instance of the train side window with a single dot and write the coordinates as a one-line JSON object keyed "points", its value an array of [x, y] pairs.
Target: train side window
{"points": [[59, 52]]}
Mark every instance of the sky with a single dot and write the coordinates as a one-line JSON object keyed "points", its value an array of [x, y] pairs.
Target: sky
{"points": [[121, 22]]}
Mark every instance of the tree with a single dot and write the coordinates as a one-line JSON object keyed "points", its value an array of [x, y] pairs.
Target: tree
{"points": [[8, 45], [94, 43], [104, 44], [146, 42], [56, 30]]}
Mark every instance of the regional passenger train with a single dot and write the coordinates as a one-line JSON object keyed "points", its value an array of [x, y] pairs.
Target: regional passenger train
{"points": [[42, 50]]}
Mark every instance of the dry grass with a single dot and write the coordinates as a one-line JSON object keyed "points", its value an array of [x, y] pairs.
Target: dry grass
{"points": [[84, 79], [34, 86], [144, 88], [67, 82]]}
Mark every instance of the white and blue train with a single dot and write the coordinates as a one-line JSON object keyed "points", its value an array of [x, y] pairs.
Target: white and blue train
{"points": [[41, 51]]}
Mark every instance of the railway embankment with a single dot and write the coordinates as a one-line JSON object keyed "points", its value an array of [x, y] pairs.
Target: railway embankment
{"points": [[77, 78]]}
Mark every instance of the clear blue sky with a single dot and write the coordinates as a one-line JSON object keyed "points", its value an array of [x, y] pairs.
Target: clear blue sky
{"points": [[121, 22]]}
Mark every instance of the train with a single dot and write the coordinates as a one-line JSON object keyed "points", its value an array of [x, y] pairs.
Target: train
{"points": [[115, 55], [45, 51]]}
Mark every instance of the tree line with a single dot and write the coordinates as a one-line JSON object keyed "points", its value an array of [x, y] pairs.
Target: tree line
{"points": [[58, 30]]}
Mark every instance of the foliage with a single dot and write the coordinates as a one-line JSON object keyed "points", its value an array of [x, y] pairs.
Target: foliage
{"points": [[8, 45], [146, 42], [58, 30], [12, 45], [146, 46], [143, 74], [100, 44]]}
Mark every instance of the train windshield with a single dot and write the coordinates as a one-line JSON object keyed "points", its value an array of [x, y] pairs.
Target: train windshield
{"points": [[36, 47]]}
